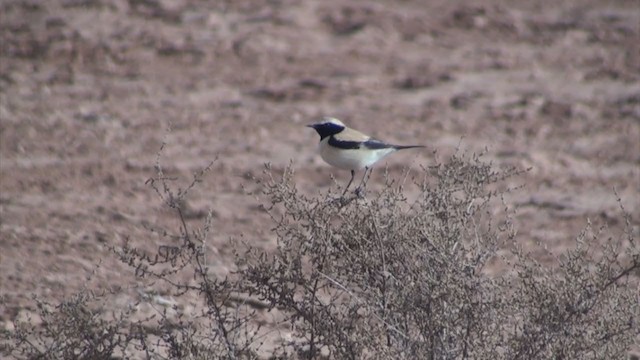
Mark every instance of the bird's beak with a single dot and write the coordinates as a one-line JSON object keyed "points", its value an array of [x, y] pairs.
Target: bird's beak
{"points": [[313, 126]]}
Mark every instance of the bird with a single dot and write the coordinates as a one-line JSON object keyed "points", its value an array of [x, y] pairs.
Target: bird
{"points": [[349, 149]]}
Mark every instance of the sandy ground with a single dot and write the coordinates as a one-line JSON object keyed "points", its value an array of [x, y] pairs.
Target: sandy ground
{"points": [[89, 88]]}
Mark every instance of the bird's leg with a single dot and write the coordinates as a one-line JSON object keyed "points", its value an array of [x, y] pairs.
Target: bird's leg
{"points": [[353, 174], [363, 182]]}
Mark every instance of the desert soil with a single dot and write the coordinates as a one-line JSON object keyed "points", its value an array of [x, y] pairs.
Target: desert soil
{"points": [[90, 88]]}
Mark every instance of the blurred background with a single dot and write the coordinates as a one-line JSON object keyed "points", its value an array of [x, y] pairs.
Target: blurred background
{"points": [[89, 89]]}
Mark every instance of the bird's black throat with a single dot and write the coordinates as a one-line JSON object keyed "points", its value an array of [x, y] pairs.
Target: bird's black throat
{"points": [[327, 129]]}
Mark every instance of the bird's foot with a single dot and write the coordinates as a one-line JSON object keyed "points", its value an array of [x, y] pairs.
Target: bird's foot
{"points": [[340, 201]]}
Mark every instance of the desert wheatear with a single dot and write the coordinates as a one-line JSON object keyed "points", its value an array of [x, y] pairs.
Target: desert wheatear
{"points": [[349, 149]]}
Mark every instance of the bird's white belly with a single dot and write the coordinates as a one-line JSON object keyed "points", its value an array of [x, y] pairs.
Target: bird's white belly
{"points": [[351, 159]]}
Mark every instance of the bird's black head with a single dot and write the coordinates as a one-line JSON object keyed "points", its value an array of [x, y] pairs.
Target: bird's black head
{"points": [[327, 127]]}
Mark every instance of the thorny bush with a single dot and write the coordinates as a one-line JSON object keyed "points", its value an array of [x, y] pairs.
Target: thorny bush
{"points": [[383, 276]]}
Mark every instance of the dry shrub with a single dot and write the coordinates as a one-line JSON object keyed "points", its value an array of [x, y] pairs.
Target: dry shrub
{"points": [[384, 277], [377, 277], [73, 329]]}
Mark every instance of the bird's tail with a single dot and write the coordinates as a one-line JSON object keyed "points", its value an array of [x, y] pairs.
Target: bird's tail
{"points": [[401, 147]]}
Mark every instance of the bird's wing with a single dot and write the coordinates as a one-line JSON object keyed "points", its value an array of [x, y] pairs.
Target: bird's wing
{"points": [[353, 139], [375, 144], [351, 135], [344, 144], [348, 139]]}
